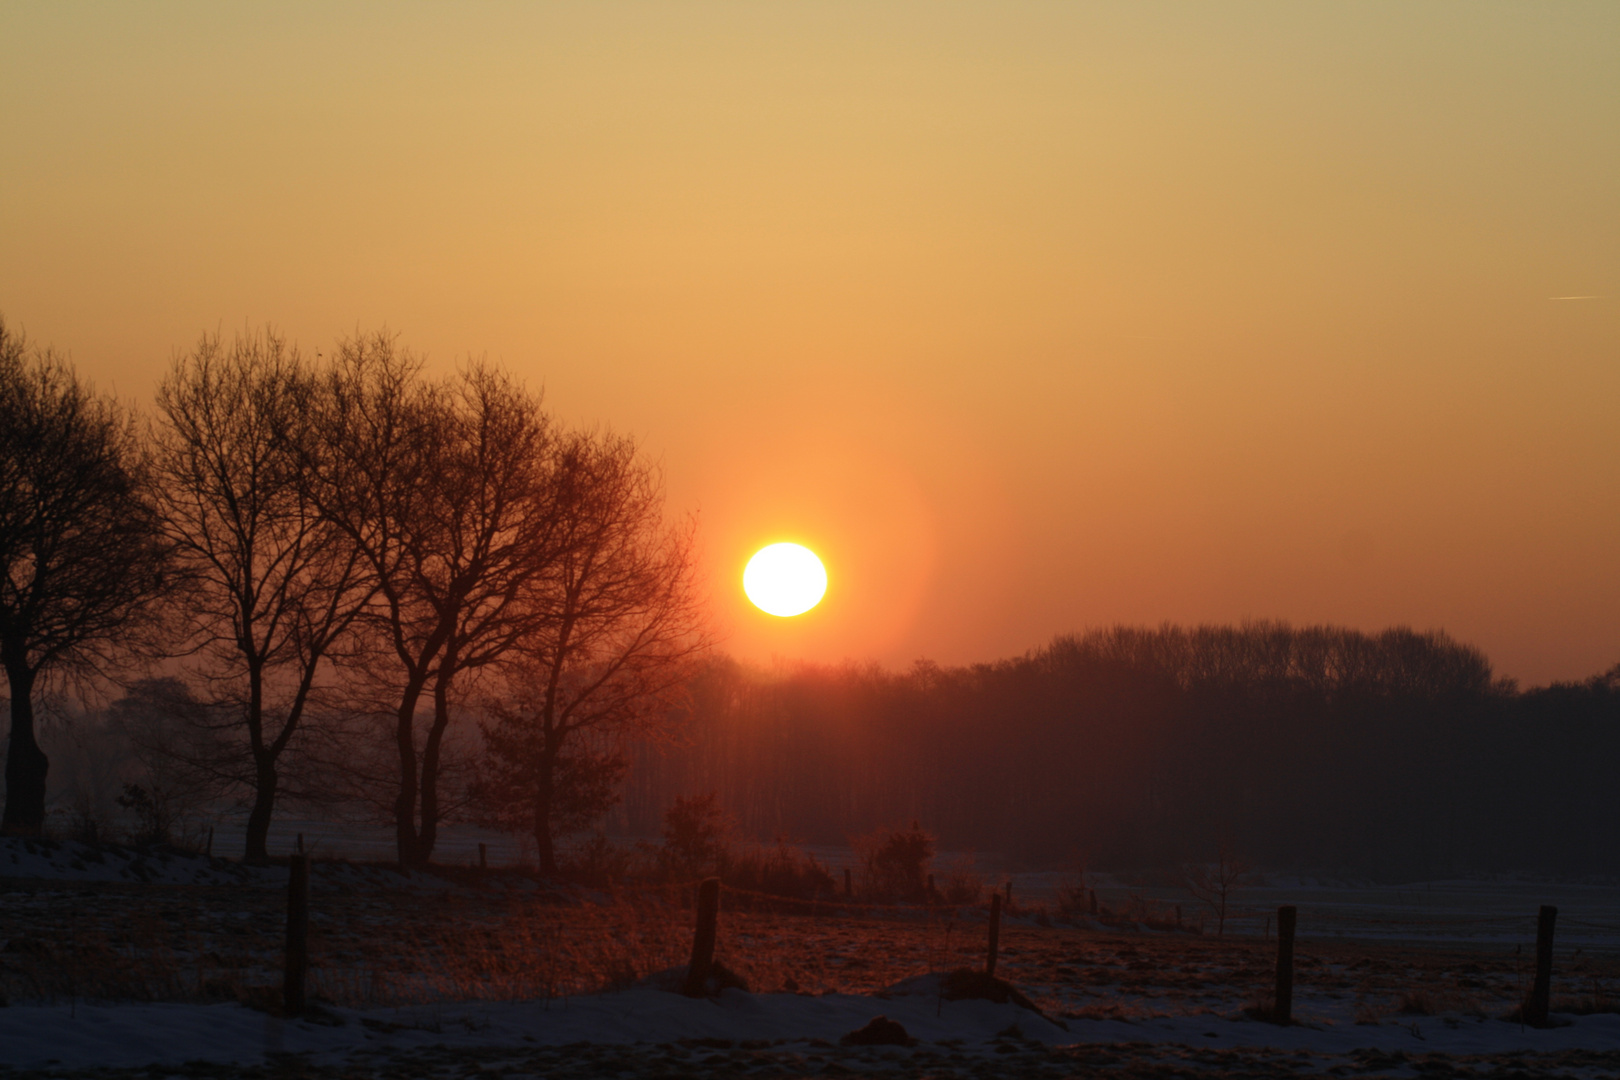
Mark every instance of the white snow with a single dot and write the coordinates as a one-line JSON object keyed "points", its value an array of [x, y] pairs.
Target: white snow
{"points": [[90, 1035]]}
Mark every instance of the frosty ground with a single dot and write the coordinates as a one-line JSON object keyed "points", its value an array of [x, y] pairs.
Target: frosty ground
{"points": [[115, 960]]}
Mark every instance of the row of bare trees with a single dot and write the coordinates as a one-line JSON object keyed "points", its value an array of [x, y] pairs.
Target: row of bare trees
{"points": [[353, 558]]}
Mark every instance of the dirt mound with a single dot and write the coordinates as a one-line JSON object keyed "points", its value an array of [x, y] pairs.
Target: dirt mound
{"points": [[965, 983], [880, 1032]]}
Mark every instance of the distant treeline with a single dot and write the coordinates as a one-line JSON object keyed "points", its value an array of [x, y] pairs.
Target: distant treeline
{"points": [[1396, 753]]}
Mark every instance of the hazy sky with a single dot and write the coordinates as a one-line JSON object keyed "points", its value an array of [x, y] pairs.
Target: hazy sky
{"points": [[1028, 317]]}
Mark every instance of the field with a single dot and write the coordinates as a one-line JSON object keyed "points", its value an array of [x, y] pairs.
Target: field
{"points": [[462, 971]]}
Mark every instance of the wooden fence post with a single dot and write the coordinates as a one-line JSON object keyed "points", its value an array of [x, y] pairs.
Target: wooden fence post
{"points": [[483, 856], [300, 846], [708, 915], [995, 934], [297, 961], [1009, 892], [209, 851], [931, 887], [1539, 1007], [1284, 1010]]}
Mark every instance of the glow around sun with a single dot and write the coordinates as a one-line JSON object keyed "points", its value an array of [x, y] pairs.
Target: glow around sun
{"points": [[785, 579]]}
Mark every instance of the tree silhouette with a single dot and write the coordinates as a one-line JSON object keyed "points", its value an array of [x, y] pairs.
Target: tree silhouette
{"points": [[447, 490], [275, 585], [616, 622], [81, 556], [1214, 884]]}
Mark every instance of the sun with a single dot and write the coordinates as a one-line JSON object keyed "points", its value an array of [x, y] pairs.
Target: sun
{"points": [[785, 579]]}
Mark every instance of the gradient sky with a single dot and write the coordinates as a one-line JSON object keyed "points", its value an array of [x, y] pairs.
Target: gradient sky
{"points": [[1027, 317]]}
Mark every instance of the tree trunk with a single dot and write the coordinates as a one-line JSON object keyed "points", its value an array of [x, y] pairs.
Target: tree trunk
{"points": [[405, 801], [264, 762], [543, 788], [26, 763], [432, 751], [264, 804]]}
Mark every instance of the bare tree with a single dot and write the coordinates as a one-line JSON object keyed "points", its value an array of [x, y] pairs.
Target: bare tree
{"points": [[619, 622], [447, 489], [1214, 884], [276, 585], [81, 556]]}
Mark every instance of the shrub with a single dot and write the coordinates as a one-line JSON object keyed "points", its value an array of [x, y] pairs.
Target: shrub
{"points": [[154, 814], [598, 861], [697, 837], [781, 870], [1073, 898], [962, 884], [894, 862]]}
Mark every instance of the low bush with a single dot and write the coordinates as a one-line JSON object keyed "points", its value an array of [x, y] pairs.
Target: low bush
{"points": [[599, 862], [780, 870], [961, 883], [1073, 897], [894, 863], [697, 837]]}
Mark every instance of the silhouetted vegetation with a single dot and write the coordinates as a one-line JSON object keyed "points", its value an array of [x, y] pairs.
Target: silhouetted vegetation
{"points": [[607, 659], [1396, 753], [422, 597], [355, 562], [273, 587], [81, 556], [895, 863]]}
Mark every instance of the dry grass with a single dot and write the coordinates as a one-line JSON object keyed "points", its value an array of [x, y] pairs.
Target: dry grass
{"points": [[1597, 1000], [1431, 1002], [373, 947], [190, 944]]}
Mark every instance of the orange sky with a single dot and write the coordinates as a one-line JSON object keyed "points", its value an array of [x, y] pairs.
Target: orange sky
{"points": [[1028, 317]]}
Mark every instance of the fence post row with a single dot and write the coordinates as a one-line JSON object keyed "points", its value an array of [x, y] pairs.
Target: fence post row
{"points": [[708, 914], [297, 960], [1284, 1010], [1539, 1007], [995, 934]]}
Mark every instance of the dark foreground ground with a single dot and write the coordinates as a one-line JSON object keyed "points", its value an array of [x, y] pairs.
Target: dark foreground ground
{"points": [[500, 939], [1126, 1060]]}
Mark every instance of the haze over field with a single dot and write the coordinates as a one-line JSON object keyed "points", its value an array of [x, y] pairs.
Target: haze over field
{"points": [[1026, 318]]}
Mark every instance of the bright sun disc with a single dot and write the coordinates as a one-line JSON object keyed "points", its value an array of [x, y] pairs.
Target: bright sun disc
{"points": [[785, 579]]}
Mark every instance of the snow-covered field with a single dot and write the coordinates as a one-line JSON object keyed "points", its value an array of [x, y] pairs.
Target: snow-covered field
{"points": [[453, 973], [130, 1035]]}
